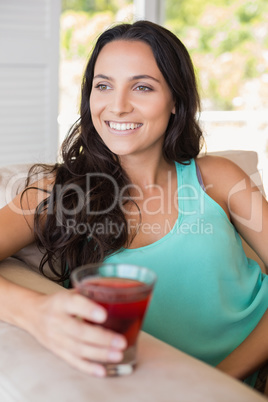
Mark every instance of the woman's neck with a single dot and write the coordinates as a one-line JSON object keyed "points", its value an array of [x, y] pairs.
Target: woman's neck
{"points": [[146, 171]]}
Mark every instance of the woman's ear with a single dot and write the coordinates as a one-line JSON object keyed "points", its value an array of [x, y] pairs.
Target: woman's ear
{"points": [[173, 111]]}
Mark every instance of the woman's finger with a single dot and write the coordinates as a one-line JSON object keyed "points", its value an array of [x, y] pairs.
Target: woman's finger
{"points": [[84, 332], [75, 304], [83, 365], [91, 352]]}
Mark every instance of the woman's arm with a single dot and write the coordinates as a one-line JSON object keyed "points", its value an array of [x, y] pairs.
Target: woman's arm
{"points": [[247, 209], [58, 322], [17, 219], [250, 355], [53, 319]]}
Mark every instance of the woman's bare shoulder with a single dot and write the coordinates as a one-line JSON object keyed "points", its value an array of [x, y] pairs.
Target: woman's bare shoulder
{"points": [[221, 177], [17, 217], [220, 171], [217, 162], [34, 193]]}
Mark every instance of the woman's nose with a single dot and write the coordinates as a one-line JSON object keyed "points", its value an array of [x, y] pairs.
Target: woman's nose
{"points": [[121, 103]]}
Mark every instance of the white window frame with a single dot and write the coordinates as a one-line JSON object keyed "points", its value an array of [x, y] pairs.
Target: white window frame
{"points": [[151, 10]]}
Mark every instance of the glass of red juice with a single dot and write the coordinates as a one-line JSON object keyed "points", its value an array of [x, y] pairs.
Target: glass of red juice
{"points": [[125, 291]]}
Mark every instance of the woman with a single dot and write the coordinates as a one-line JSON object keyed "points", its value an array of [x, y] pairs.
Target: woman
{"points": [[130, 189]]}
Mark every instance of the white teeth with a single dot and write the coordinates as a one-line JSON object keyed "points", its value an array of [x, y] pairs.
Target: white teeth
{"points": [[123, 126]]}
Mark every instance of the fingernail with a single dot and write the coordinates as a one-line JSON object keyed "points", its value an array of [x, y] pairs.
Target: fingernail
{"points": [[114, 356], [118, 342], [99, 371], [98, 315]]}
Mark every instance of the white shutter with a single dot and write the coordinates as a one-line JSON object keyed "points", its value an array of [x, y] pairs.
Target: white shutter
{"points": [[29, 55]]}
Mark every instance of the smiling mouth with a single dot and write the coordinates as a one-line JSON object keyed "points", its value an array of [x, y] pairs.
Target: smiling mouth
{"points": [[123, 126]]}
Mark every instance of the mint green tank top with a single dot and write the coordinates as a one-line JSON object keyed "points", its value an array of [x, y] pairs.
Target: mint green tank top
{"points": [[209, 296]]}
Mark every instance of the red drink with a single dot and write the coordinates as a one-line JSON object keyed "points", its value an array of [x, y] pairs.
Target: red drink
{"points": [[124, 290], [124, 299]]}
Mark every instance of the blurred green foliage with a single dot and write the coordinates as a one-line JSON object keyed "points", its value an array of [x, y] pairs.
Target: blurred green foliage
{"points": [[78, 5], [228, 43], [227, 40], [83, 20], [93, 5]]}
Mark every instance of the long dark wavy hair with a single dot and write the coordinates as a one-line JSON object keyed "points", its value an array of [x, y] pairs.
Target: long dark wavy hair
{"points": [[84, 188]]}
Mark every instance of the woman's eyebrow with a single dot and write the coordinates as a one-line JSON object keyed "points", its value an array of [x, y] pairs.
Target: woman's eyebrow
{"points": [[140, 77], [104, 77], [135, 77]]}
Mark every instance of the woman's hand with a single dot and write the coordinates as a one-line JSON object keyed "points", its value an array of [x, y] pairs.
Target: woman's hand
{"points": [[57, 322]]}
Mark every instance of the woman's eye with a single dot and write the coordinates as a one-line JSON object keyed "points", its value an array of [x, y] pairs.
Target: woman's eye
{"points": [[143, 88], [102, 87]]}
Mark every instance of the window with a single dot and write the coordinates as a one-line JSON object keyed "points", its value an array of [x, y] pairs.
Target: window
{"points": [[228, 42]]}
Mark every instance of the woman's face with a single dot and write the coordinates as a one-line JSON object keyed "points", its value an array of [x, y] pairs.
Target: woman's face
{"points": [[130, 100]]}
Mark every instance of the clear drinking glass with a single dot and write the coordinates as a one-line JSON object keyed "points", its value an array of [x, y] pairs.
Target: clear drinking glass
{"points": [[124, 291]]}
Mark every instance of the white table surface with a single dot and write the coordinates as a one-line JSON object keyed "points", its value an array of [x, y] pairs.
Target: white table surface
{"points": [[30, 373]]}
